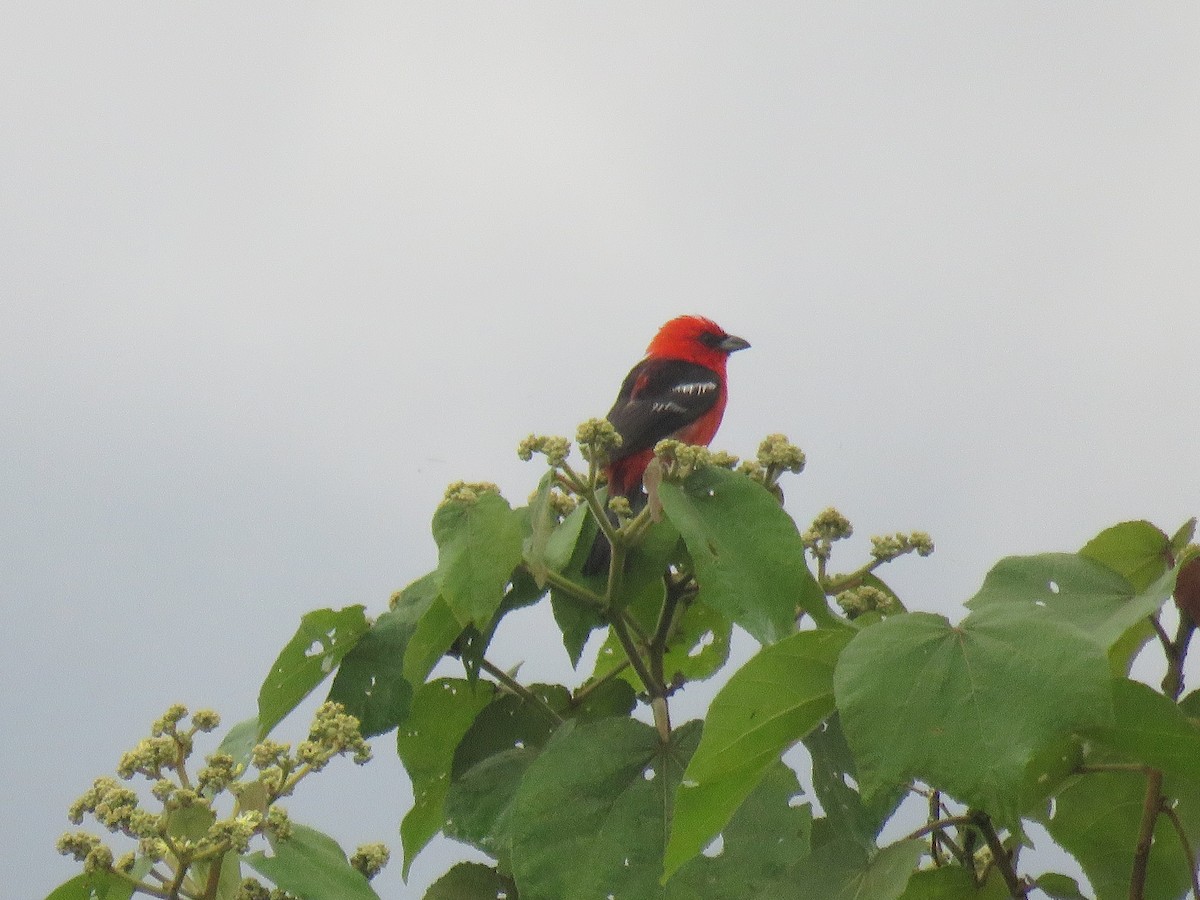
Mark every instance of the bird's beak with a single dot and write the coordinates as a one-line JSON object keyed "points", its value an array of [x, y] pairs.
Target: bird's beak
{"points": [[732, 342]]}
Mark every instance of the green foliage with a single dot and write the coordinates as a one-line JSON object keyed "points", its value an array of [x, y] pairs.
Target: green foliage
{"points": [[311, 865], [1007, 683], [1022, 712]]}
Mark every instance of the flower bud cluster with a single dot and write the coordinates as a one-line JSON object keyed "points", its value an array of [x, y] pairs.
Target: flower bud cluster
{"points": [[620, 507], [468, 492], [555, 449], [597, 439], [334, 732], [162, 758], [829, 526], [776, 453], [680, 460], [865, 598], [370, 859], [887, 547]]}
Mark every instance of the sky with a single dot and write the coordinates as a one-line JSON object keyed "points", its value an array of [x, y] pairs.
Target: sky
{"points": [[274, 274]]}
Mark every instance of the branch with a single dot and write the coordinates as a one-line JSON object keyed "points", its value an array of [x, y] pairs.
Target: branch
{"points": [[1151, 807], [1169, 812], [940, 825], [520, 690], [1000, 857], [1172, 683], [578, 591]]}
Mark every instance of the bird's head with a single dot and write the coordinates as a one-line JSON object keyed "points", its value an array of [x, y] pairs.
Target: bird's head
{"points": [[695, 339]]}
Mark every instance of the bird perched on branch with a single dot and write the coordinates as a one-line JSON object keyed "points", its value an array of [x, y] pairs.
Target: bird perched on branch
{"points": [[677, 391]]}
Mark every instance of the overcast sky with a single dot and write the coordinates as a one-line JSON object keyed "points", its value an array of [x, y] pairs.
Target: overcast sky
{"points": [[273, 274]]}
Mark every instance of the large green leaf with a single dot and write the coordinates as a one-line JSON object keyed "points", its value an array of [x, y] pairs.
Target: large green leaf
{"points": [[442, 711], [773, 701], [834, 770], [542, 522], [593, 809], [1097, 818], [434, 635], [1139, 551], [479, 546], [324, 637], [370, 682], [472, 881], [844, 870], [1073, 589], [312, 866], [747, 552], [966, 708], [954, 883], [489, 763], [93, 886], [1148, 728], [760, 846]]}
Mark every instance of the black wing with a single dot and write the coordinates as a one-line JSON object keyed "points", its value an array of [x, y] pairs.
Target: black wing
{"points": [[657, 398]]}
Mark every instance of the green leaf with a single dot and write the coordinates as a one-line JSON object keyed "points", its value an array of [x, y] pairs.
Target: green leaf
{"points": [[324, 637], [1060, 887], [760, 846], [599, 797], [542, 522], [953, 883], [834, 770], [472, 881], [442, 711], [700, 646], [698, 649], [239, 741], [434, 635], [843, 870], [1136, 550], [312, 866], [1073, 589], [479, 546], [966, 708], [94, 886], [190, 822], [370, 681], [576, 620], [1149, 728], [489, 763], [773, 701], [613, 698], [747, 552], [1183, 536], [1097, 818]]}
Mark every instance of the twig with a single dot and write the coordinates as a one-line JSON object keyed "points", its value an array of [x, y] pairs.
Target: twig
{"points": [[940, 825], [585, 690], [1151, 806], [520, 690], [1169, 812], [1172, 683], [1000, 856]]}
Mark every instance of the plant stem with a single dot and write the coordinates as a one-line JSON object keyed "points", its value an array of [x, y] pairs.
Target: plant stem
{"points": [[1151, 806], [582, 694], [1170, 813], [515, 687], [578, 591], [1000, 856], [940, 825], [1176, 651], [214, 876]]}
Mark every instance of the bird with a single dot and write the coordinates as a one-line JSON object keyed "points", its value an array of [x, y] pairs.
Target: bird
{"points": [[677, 391]]}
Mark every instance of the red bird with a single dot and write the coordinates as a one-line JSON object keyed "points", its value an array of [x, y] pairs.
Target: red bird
{"points": [[678, 391]]}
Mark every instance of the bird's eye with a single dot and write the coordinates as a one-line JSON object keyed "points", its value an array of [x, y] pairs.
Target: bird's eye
{"points": [[710, 339]]}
